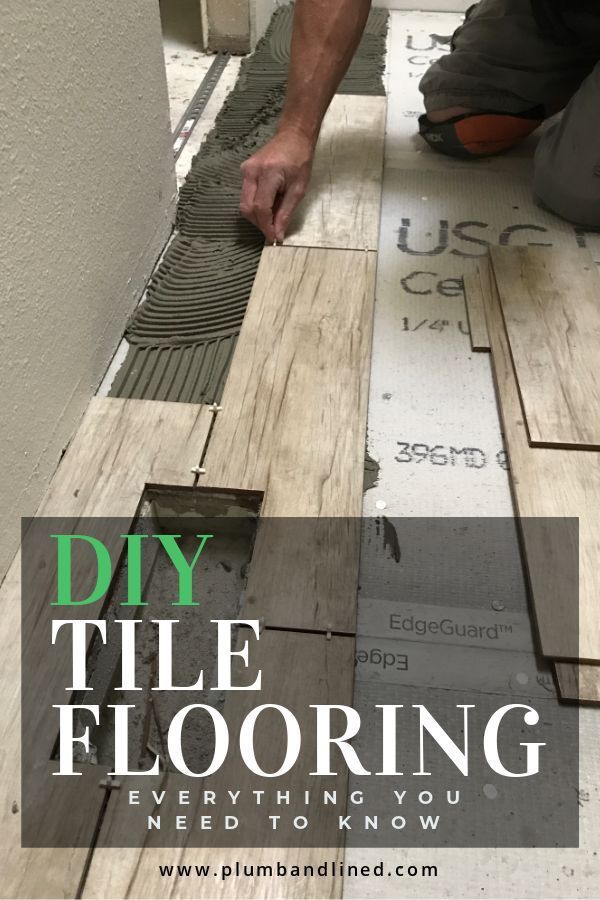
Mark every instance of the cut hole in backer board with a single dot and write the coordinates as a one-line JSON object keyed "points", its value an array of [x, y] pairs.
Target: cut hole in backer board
{"points": [[221, 563], [229, 519], [221, 578]]}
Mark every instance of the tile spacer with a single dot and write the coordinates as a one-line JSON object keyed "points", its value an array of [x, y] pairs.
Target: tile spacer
{"points": [[328, 636], [111, 784], [215, 408], [261, 625], [197, 470]]}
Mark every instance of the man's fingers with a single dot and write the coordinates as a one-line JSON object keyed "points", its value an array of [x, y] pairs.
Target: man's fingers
{"points": [[286, 208], [274, 181], [249, 186], [269, 186], [259, 194]]}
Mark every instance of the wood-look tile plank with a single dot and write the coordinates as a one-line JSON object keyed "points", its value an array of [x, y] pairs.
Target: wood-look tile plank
{"points": [[293, 419], [326, 667], [40, 872], [341, 208], [579, 683], [551, 305], [548, 485], [120, 446], [293, 425], [476, 281]]}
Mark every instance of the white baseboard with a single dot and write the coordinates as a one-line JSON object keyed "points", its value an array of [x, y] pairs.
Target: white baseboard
{"points": [[425, 5]]}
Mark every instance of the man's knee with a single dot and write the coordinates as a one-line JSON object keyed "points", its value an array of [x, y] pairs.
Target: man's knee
{"points": [[478, 134]]}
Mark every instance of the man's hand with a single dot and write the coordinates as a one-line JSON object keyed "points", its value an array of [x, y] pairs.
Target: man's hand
{"points": [[275, 179], [325, 35]]}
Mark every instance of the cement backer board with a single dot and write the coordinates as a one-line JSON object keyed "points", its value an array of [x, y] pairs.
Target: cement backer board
{"points": [[433, 424], [430, 381], [185, 63], [497, 868], [504, 819], [460, 626], [499, 873], [425, 665], [448, 561]]}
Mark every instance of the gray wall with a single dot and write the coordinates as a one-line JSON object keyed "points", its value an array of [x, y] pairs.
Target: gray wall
{"points": [[87, 195]]}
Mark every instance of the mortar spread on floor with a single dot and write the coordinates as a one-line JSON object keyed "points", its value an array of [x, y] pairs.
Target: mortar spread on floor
{"points": [[182, 337]]}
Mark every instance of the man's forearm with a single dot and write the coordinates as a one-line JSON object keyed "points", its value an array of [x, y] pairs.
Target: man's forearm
{"points": [[326, 34], [275, 178]]}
